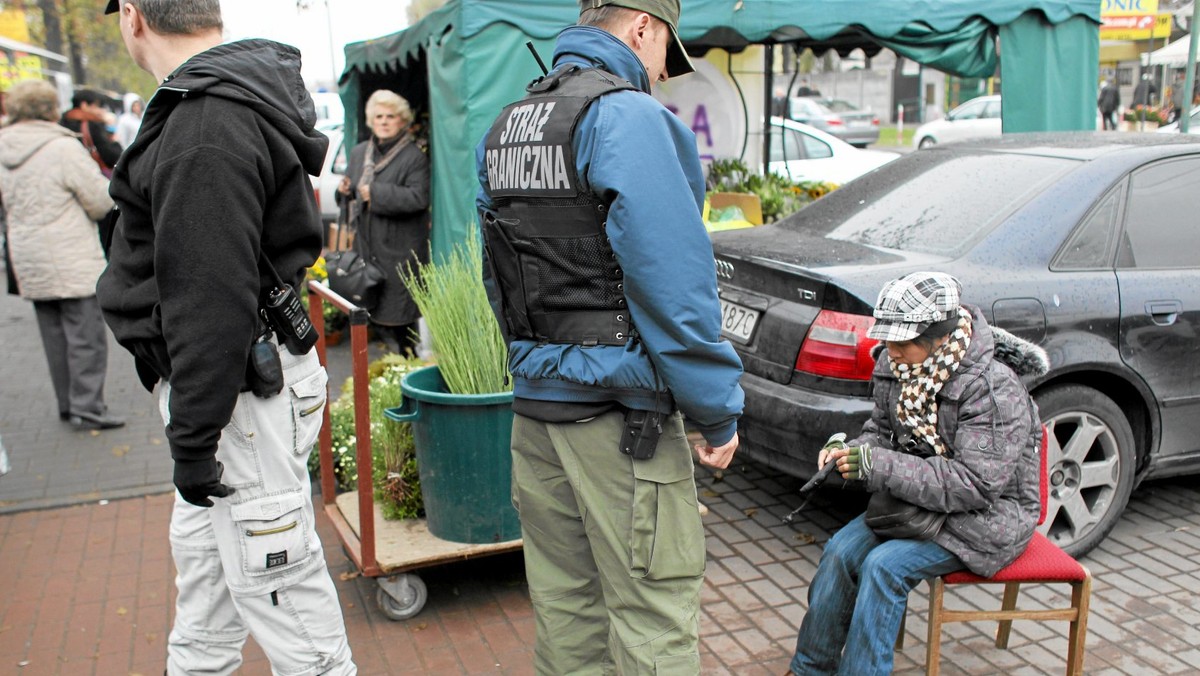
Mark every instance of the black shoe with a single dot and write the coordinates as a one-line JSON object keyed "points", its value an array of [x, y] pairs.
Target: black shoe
{"points": [[64, 416], [96, 422]]}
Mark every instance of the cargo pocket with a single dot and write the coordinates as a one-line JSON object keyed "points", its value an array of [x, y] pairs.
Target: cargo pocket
{"points": [[273, 532], [308, 402], [667, 539]]}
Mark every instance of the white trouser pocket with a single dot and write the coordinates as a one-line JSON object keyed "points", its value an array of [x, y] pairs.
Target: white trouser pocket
{"points": [[308, 402], [272, 533]]}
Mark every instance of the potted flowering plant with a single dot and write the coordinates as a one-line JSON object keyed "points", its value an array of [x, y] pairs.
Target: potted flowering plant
{"points": [[1142, 117]]}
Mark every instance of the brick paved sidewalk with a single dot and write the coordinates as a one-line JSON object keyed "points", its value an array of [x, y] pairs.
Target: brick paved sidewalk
{"points": [[90, 591], [54, 465]]}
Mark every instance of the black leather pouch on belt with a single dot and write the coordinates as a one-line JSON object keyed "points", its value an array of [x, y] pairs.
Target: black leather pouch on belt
{"points": [[641, 433], [264, 371]]}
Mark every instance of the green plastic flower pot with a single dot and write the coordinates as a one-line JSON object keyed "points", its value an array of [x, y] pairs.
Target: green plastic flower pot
{"points": [[464, 458]]}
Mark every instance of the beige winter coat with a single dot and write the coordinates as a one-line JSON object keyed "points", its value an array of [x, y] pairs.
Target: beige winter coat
{"points": [[53, 193]]}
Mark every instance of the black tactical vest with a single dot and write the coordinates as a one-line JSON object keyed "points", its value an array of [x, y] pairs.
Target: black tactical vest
{"points": [[546, 243]]}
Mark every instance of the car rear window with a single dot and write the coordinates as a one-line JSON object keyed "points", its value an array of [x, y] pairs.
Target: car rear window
{"points": [[931, 201]]}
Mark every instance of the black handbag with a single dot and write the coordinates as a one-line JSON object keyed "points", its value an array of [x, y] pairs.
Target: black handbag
{"points": [[896, 519], [354, 278], [351, 275]]}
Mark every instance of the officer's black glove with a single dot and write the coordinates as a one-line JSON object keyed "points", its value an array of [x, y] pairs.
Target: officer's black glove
{"points": [[198, 479]]}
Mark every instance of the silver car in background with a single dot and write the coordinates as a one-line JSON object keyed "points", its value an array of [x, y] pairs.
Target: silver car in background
{"points": [[837, 117]]}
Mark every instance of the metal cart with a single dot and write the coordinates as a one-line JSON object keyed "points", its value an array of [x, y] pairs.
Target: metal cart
{"points": [[385, 550]]}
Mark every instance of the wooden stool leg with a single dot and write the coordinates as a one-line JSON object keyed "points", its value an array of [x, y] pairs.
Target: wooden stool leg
{"points": [[1011, 589], [903, 622], [1081, 593], [933, 643]]}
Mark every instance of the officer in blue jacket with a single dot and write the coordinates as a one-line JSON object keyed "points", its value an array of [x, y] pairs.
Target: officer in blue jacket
{"points": [[602, 277]]}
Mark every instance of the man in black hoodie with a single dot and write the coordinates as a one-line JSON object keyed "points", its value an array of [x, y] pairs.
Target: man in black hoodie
{"points": [[213, 194], [86, 117]]}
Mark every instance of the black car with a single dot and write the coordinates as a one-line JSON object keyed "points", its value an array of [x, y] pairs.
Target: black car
{"points": [[1087, 244]]}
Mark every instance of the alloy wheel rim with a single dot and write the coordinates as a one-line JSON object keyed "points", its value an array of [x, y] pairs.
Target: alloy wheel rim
{"points": [[1083, 465]]}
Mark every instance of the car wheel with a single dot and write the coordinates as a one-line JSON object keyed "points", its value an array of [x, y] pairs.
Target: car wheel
{"points": [[1090, 458], [927, 142]]}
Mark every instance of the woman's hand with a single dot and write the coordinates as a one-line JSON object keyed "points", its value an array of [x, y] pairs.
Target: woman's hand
{"points": [[837, 440], [344, 185], [852, 463], [364, 191]]}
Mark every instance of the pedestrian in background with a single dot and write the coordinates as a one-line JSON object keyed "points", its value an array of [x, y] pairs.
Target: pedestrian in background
{"points": [[130, 120], [806, 89], [385, 194], [955, 434], [1145, 91], [53, 193], [88, 118], [214, 210], [1108, 103], [605, 286], [1176, 97]]}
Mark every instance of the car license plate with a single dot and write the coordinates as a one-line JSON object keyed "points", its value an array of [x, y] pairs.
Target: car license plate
{"points": [[738, 322], [860, 123]]}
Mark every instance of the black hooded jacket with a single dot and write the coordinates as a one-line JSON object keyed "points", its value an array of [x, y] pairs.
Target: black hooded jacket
{"points": [[217, 176]]}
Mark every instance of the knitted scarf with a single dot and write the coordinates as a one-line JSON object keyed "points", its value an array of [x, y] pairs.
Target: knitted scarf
{"points": [[920, 384], [371, 167]]}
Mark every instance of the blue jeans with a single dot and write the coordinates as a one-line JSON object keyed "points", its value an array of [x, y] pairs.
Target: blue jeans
{"points": [[857, 598]]}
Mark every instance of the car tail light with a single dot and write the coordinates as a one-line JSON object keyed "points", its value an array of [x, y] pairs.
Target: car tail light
{"points": [[834, 121], [837, 346], [875, 121]]}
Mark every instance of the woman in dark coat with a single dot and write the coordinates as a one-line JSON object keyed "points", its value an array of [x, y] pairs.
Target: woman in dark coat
{"points": [[953, 431], [385, 195]]}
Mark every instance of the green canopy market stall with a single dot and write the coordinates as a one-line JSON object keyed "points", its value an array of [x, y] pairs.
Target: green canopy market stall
{"points": [[464, 62]]}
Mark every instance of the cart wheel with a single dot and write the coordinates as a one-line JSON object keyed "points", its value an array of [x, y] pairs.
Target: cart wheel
{"points": [[401, 597]]}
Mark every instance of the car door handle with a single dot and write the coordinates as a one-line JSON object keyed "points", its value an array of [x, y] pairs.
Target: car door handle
{"points": [[1163, 312]]}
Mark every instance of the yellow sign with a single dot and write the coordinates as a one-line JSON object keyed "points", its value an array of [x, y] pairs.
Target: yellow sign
{"points": [[1135, 27], [22, 67], [1128, 8], [13, 25]]}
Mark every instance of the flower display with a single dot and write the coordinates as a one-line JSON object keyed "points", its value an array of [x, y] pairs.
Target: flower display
{"points": [[1141, 113]]}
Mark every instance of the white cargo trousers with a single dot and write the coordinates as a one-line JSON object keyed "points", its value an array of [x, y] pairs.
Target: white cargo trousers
{"points": [[253, 562]]}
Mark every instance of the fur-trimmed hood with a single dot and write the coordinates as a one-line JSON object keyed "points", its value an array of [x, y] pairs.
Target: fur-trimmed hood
{"points": [[1022, 356]]}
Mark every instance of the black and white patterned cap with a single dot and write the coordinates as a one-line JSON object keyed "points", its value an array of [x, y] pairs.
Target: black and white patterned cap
{"points": [[907, 306]]}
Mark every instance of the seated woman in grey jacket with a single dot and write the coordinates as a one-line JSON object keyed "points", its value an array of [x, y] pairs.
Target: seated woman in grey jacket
{"points": [[954, 432]]}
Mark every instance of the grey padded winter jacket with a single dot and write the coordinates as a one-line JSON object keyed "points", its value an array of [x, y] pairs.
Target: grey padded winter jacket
{"points": [[988, 479]]}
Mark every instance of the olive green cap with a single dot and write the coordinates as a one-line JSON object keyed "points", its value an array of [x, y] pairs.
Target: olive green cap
{"points": [[667, 11]]}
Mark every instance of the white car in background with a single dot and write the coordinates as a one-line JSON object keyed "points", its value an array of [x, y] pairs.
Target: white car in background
{"points": [[977, 117], [334, 167], [804, 153]]}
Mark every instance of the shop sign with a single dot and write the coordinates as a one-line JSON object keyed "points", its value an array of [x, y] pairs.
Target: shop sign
{"points": [[1135, 26]]}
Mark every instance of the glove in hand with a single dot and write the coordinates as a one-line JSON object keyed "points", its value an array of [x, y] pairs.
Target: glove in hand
{"points": [[857, 464], [196, 480], [837, 440]]}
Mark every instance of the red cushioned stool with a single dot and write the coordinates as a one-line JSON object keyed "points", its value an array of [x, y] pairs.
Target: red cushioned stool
{"points": [[1042, 562]]}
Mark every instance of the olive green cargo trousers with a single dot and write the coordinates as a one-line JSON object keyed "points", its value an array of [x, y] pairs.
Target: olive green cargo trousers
{"points": [[614, 547]]}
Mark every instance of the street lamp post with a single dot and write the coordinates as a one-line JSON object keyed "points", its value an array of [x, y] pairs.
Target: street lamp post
{"points": [[306, 4], [1190, 79]]}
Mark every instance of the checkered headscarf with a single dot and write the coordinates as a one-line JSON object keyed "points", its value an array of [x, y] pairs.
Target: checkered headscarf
{"points": [[920, 384], [908, 305]]}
